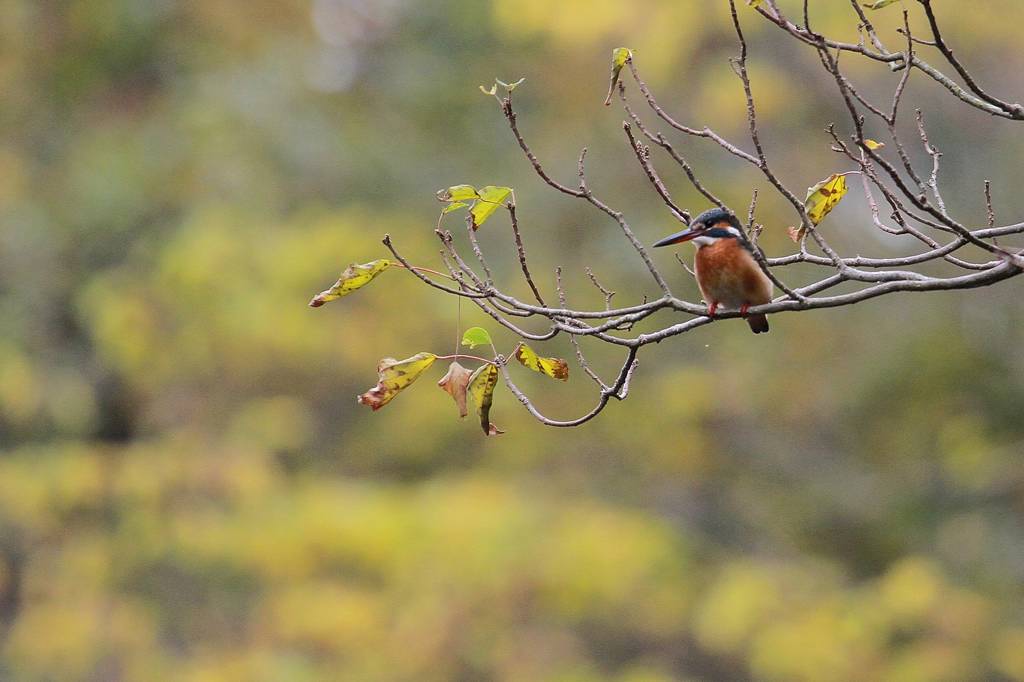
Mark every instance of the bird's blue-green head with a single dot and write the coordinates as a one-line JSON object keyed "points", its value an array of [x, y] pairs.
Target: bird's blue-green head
{"points": [[710, 226]]}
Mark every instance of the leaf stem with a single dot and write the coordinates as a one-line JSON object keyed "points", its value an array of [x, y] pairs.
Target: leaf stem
{"points": [[419, 269], [456, 356]]}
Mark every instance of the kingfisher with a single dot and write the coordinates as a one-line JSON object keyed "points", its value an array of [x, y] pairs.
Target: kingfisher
{"points": [[726, 271]]}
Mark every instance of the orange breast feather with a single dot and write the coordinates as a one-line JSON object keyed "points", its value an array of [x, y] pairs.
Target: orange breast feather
{"points": [[728, 274]]}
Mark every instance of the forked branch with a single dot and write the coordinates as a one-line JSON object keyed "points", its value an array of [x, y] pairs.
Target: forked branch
{"points": [[915, 209]]}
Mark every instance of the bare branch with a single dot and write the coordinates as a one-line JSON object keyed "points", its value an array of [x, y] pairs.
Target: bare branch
{"points": [[895, 60], [643, 156], [521, 252], [584, 365], [914, 206], [1014, 109], [585, 193]]}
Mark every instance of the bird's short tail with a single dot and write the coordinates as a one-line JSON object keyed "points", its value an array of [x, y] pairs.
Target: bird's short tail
{"points": [[758, 323]]}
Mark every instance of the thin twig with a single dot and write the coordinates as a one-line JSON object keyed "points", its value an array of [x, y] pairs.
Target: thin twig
{"points": [[608, 294], [521, 252], [580, 358]]}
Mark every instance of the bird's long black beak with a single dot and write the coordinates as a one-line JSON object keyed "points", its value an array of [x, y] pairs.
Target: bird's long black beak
{"points": [[684, 236]]}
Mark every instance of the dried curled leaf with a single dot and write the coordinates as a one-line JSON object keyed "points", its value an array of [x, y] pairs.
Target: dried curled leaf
{"points": [[821, 199], [493, 90], [510, 86], [481, 388], [620, 56], [490, 199], [354, 277], [395, 376], [555, 368], [455, 383]]}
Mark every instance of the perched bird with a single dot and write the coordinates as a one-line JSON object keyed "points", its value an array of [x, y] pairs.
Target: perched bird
{"points": [[727, 273]]}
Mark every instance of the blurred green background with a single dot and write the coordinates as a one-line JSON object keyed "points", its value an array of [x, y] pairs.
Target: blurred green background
{"points": [[189, 491]]}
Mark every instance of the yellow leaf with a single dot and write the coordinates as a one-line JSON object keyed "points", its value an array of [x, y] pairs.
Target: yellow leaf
{"points": [[354, 277], [553, 367], [395, 376], [620, 56], [455, 383], [754, 3], [490, 198], [824, 196], [821, 199], [872, 144], [454, 206], [457, 193], [481, 388]]}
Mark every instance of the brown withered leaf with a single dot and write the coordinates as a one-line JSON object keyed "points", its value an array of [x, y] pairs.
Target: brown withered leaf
{"points": [[395, 376], [455, 383]]}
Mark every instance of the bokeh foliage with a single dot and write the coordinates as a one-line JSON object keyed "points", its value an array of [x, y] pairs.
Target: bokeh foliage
{"points": [[189, 491]]}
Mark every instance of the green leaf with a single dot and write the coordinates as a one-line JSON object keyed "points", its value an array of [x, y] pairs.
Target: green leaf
{"points": [[555, 368], [476, 336], [355, 277], [457, 193], [491, 198], [620, 56], [485, 201], [454, 207], [393, 377], [481, 388], [879, 4]]}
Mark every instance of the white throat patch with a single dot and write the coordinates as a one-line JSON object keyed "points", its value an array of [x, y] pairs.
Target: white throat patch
{"points": [[705, 240]]}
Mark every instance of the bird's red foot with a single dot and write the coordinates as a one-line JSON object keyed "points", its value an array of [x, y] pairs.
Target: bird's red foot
{"points": [[712, 309], [744, 308]]}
